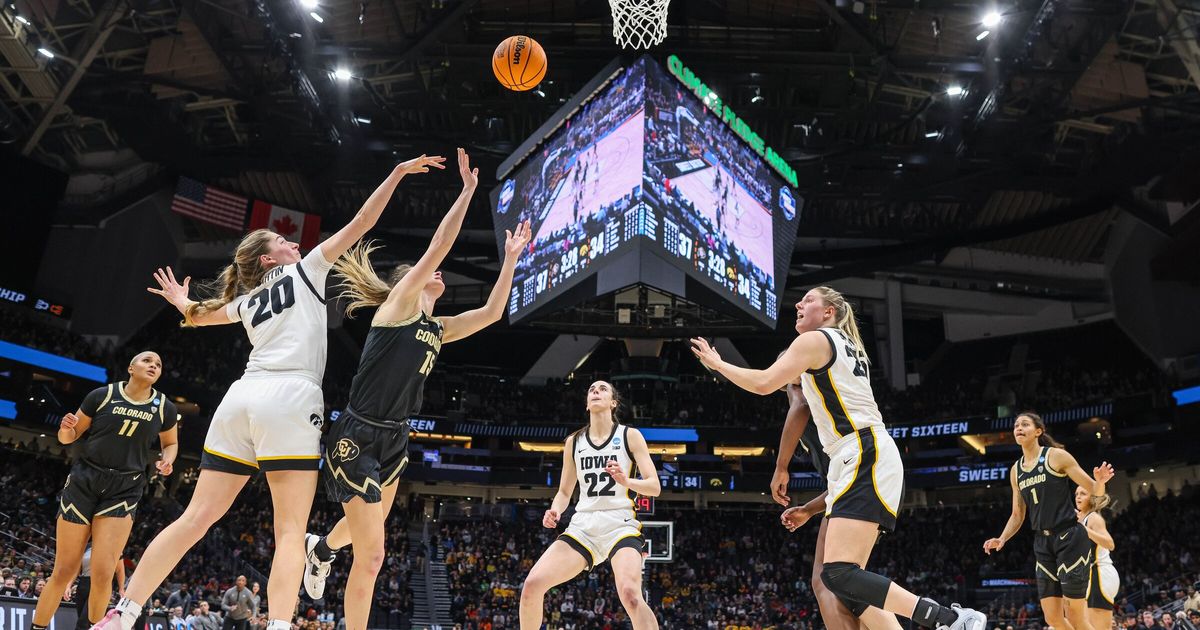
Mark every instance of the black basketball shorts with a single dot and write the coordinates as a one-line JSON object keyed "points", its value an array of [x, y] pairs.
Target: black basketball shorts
{"points": [[91, 492], [362, 458], [1063, 562]]}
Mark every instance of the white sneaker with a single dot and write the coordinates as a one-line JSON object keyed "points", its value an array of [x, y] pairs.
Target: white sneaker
{"points": [[315, 570], [968, 619], [111, 621]]}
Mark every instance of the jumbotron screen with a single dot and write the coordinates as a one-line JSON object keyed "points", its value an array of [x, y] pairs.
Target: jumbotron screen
{"points": [[644, 163]]}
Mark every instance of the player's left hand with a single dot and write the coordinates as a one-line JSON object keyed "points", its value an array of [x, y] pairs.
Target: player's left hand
{"points": [[1103, 473], [515, 242], [164, 467], [779, 486], [794, 518], [707, 354], [614, 470]]}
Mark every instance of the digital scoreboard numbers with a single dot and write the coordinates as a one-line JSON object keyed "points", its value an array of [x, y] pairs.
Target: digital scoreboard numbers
{"points": [[644, 505]]}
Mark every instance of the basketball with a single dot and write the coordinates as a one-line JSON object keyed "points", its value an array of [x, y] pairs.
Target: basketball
{"points": [[519, 63]]}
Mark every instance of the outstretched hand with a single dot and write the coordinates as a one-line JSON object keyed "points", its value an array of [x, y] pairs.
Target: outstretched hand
{"points": [[515, 242], [707, 354], [470, 176], [421, 164], [1103, 473], [170, 289]]}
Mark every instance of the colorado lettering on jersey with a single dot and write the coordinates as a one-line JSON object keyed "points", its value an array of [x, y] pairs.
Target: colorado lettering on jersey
{"points": [[135, 414], [430, 337], [1031, 480], [594, 462], [985, 474]]}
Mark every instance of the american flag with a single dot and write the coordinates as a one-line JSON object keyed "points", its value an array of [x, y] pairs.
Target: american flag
{"points": [[205, 203]]}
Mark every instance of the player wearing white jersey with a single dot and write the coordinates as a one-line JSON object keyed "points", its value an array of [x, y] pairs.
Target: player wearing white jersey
{"points": [[866, 476], [270, 419], [603, 459], [1103, 579]]}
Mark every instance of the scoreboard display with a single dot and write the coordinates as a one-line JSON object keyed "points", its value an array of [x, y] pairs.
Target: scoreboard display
{"points": [[643, 164]]}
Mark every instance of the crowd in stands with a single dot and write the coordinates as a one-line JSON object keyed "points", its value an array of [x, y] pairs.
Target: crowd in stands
{"points": [[240, 544], [741, 569]]}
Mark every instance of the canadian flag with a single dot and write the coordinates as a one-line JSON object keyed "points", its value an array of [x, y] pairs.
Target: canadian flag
{"points": [[290, 224]]}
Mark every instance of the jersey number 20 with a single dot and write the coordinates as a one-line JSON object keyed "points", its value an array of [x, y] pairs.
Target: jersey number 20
{"points": [[272, 301], [594, 480]]}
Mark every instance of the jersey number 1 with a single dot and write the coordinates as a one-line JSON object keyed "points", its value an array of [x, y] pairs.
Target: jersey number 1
{"points": [[272, 301]]}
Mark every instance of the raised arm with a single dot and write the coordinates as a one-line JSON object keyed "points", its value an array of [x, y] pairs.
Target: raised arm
{"points": [[470, 322], [368, 214], [798, 416], [1064, 462], [402, 301], [1014, 520], [807, 351], [177, 295], [649, 484], [566, 487]]}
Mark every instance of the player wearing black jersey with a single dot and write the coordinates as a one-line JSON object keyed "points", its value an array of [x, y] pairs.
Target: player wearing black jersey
{"points": [[798, 429], [1041, 484], [116, 425], [367, 448]]}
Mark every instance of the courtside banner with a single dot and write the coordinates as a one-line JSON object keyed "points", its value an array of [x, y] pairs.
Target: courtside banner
{"points": [[17, 614]]}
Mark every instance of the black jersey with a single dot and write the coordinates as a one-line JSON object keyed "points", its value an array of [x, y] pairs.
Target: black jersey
{"points": [[1049, 497], [396, 359], [811, 441], [124, 431]]}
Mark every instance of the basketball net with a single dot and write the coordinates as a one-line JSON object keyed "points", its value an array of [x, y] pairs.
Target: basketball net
{"points": [[639, 24]]}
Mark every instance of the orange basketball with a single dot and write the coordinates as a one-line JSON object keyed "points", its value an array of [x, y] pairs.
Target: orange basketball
{"points": [[519, 63]]}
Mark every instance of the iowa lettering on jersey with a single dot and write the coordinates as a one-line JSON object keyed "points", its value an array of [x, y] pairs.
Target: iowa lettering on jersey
{"points": [[593, 462]]}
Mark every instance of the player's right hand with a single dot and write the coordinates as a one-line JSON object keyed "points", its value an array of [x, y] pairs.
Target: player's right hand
{"points": [[170, 289], [421, 164], [992, 544], [779, 486], [69, 421], [794, 518], [550, 519]]}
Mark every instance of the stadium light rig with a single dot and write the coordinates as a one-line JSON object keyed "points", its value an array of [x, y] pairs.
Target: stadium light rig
{"points": [[316, 16], [992, 19], [980, 37], [45, 53], [955, 90], [309, 4], [342, 74]]}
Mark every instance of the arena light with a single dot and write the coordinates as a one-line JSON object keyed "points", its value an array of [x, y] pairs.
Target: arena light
{"points": [[992, 19], [667, 449], [541, 447], [22, 20], [309, 4], [975, 442], [45, 53], [739, 451], [955, 90], [342, 74], [980, 37], [317, 16], [932, 134]]}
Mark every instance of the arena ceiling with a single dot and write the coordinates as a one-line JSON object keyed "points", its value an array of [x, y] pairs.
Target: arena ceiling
{"points": [[1069, 110]]}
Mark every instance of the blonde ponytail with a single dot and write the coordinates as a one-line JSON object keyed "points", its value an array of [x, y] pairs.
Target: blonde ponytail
{"points": [[1101, 502], [244, 274], [359, 281], [844, 318]]}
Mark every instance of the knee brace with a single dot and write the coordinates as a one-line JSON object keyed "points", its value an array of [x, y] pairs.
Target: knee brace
{"points": [[857, 588]]}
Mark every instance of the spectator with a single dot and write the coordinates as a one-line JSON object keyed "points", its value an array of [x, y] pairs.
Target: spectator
{"points": [[176, 621], [9, 588], [202, 619], [1193, 599], [1148, 622], [180, 598], [25, 589], [257, 599], [238, 606]]}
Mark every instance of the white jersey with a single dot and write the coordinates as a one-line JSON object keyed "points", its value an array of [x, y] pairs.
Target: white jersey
{"points": [[839, 393], [597, 490], [286, 320], [1103, 556]]}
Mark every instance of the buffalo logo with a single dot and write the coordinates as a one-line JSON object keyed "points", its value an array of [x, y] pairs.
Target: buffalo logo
{"points": [[345, 450], [316, 420]]}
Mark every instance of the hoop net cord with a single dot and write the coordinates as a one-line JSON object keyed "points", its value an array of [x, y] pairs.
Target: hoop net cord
{"points": [[639, 24]]}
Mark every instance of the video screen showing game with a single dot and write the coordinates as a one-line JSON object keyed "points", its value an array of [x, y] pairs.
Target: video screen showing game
{"points": [[722, 212], [576, 190]]}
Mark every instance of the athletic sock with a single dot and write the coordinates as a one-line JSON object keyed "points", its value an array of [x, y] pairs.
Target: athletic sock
{"points": [[930, 614], [130, 611], [322, 550], [279, 624], [37, 627]]}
